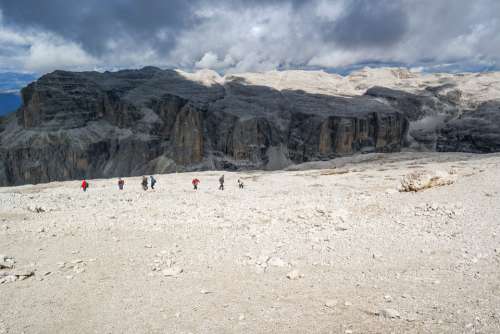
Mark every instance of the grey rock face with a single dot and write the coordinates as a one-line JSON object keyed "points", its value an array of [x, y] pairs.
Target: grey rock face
{"points": [[476, 131], [133, 122], [441, 120]]}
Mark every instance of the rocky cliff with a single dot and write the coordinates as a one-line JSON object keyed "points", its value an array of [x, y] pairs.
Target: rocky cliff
{"points": [[133, 122]]}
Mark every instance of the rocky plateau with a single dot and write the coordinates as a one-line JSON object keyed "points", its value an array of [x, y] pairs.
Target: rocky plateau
{"points": [[132, 122]]}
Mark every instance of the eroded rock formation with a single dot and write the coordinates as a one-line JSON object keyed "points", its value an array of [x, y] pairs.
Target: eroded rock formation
{"points": [[133, 122]]}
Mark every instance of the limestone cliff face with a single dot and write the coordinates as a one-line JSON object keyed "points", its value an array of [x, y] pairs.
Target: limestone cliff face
{"points": [[74, 125], [188, 136], [349, 135]]}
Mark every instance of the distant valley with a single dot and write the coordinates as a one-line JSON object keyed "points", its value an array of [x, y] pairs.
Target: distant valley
{"points": [[9, 102], [10, 86]]}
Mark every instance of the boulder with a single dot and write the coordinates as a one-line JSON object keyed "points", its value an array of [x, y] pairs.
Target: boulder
{"points": [[421, 180]]}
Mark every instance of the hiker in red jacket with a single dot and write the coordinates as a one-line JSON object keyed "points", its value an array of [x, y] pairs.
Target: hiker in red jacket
{"points": [[85, 185], [195, 183]]}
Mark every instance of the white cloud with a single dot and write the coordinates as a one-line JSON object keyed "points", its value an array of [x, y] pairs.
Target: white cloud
{"points": [[40, 51], [229, 36], [211, 61], [259, 38], [48, 52]]}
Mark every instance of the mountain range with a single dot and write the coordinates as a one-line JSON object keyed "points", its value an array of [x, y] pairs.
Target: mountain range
{"points": [[132, 122]]}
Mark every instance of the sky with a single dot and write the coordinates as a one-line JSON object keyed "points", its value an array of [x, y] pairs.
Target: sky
{"points": [[249, 35]]}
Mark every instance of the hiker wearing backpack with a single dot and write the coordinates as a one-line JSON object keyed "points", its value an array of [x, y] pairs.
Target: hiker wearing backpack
{"points": [[221, 182], [85, 185], [153, 181], [121, 183], [195, 183]]}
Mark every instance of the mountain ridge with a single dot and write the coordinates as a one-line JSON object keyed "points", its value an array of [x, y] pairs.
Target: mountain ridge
{"points": [[134, 122]]}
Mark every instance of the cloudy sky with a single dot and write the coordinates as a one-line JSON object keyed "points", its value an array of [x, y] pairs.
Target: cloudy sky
{"points": [[248, 35]]}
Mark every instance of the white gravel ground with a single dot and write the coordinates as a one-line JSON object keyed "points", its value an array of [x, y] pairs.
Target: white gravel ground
{"points": [[332, 250]]}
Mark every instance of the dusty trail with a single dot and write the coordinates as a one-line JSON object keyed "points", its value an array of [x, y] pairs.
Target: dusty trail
{"points": [[367, 258]]}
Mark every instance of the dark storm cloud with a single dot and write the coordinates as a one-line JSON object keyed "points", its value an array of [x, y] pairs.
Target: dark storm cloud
{"points": [[246, 35], [94, 23], [368, 23]]}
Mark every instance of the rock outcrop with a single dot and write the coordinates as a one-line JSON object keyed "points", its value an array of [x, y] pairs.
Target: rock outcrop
{"points": [[475, 130], [89, 124]]}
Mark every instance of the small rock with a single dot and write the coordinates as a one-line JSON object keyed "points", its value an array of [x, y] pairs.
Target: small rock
{"points": [[388, 298], [411, 318], [241, 317], [347, 304], [24, 273], [293, 275], [173, 271], [262, 259], [78, 270], [389, 313], [331, 303], [6, 262], [276, 262], [259, 269], [205, 292], [341, 228], [10, 279], [6, 265]]}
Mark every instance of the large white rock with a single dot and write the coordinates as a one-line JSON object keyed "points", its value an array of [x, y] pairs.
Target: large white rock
{"points": [[421, 180]]}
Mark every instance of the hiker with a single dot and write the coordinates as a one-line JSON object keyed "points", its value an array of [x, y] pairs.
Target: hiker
{"points": [[85, 185], [121, 183], [144, 183], [221, 182], [195, 183], [240, 184], [153, 181]]}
